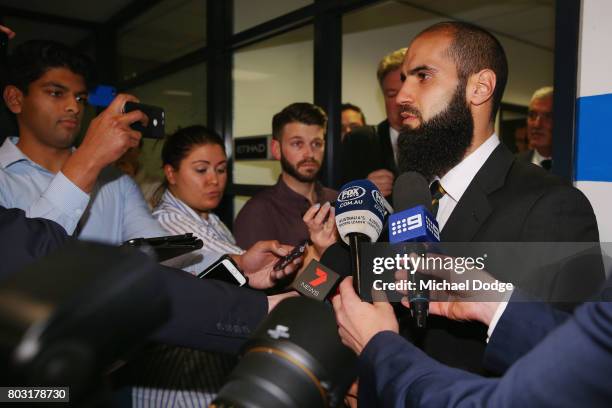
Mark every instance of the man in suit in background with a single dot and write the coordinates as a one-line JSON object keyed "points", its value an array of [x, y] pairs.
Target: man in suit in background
{"points": [[371, 151], [351, 118], [454, 76], [539, 129]]}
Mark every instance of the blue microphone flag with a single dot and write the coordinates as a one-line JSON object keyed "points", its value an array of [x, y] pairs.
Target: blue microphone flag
{"points": [[415, 224]]}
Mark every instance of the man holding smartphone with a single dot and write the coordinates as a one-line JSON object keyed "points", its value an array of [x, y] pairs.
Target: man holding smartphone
{"points": [[43, 174], [277, 212]]}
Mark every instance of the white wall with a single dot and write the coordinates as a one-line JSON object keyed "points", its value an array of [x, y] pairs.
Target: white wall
{"points": [[595, 82], [269, 77], [248, 13]]}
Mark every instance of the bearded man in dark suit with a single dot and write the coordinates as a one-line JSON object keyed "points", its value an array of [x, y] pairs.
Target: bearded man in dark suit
{"points": [[453, 76]]}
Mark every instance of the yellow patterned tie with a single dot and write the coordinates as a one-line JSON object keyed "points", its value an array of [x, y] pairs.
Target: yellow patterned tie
{"points": [[437, 192]]}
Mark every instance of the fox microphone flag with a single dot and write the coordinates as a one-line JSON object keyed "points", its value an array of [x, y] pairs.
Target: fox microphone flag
{"points": [[360, 215], [360, 208]]}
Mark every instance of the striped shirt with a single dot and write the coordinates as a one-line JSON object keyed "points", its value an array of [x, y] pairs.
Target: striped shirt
{"points": [[168, 376], [176, 217]]}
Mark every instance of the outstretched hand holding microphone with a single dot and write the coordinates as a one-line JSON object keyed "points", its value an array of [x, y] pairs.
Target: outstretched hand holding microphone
{"points": [[468, 304]]}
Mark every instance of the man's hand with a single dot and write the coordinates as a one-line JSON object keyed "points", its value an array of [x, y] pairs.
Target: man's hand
{"points": [[359, 321], [274, 300], [383, 179], [7, 31], [323, 233], [108, 137], [258, 262], [458, 305]]}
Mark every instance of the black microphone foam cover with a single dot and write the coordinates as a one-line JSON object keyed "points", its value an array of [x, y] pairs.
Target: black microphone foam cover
{"points": [[338, 258], [410, 190]]}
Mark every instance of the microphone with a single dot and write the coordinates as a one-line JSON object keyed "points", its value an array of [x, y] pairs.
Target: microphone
{"points": [[360, 213], [320, 279], [317, 281], [413, 222], [337, 258]]}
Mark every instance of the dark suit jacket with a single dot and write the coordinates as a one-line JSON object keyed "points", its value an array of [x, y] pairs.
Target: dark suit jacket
{"points": [[366, 149], [571, 366], [206, 314], [526, 156], [508, 201], [505, 347], [26, 239]]}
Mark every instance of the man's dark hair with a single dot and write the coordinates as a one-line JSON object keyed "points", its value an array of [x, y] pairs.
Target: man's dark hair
{"points": [[29, 61], [300, 112], [474, 49], [350, 106]]}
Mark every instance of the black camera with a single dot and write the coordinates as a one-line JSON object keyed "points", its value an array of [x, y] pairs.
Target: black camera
{"points": [[294, 359]]}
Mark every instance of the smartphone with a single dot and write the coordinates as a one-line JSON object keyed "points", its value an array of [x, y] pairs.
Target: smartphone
{"points": [[156, 129], [226, 270], [167, 239], [295, 253]]}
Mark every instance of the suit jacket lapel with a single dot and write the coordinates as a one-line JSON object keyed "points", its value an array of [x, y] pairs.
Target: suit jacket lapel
{"points": [[474, 207]]}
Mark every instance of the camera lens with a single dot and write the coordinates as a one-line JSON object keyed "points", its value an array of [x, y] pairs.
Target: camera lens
{"points": [[294, 359]]}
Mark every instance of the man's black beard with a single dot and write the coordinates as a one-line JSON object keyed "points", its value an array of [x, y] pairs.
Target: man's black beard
{"points": [[440, 143], [293, 171]]}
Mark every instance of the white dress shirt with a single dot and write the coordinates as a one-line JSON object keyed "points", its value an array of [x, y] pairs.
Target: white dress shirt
{"points": [[457, 180], [537, 158], [394, 134]]}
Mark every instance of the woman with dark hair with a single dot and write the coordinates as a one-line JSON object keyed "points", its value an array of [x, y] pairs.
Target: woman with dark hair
{"points": [[195, 166]]}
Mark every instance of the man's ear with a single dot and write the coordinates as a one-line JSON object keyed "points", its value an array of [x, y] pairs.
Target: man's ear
{"points": [[170, 174], [13, 98], [276, 149], [480, 87]]}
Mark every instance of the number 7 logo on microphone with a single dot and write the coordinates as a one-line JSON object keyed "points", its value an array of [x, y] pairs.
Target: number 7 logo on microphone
{"points": [[321, 278], [317, 281]]}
